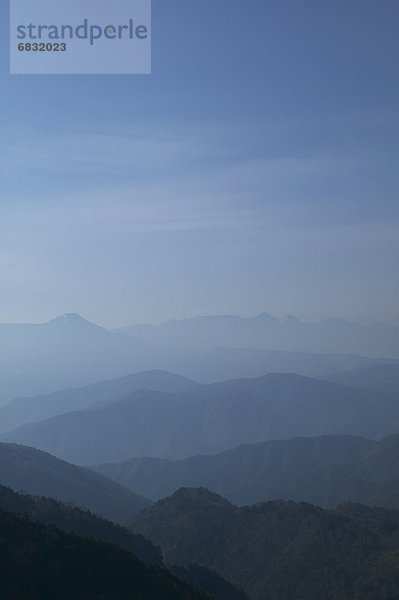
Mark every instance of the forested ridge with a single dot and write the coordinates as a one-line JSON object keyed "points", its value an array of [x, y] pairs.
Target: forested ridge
{"points": [[69, 518], [41, 562], [81, 522], [281, 550]]}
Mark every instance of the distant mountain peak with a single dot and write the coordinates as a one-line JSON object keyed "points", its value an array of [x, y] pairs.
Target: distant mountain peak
{"points": [[73, 320], [70, 317]]}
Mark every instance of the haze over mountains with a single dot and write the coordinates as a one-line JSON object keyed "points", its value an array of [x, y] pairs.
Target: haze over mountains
{"points": [[252, 173], [29, 410], [325, 471], [69, 351], [39, 473], [254, 409], [265, 331], [277, 435], [209, 419], [382, 378], [66, 351]]}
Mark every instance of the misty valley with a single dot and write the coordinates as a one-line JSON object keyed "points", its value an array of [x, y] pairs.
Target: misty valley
{"points": [[211, 458]]}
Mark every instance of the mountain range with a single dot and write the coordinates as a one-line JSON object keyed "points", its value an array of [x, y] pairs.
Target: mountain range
{"points": [[75, 520], [280, 550], [30, 410], [39, 473], [210, 419], [69, 351], [320, 426], [265, 331], [47, 511], [325, 470], [381, 378]]}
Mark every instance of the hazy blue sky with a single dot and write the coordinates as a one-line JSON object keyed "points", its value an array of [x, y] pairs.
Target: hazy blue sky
{"points": [[255, 170]]}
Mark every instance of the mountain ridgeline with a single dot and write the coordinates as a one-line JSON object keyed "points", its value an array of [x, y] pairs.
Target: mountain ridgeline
{"points": [[265, 331], [30, 410], [39, 473], [325, 470], [69, 351], [86, 525], [233, 476], [70, 518], [41, 562], [280, 550], [210, 418]]}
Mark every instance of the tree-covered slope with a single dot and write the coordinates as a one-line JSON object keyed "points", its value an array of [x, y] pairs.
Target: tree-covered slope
{"points": [[39, 562], [83, 523], [208, 580], [75, 520], [281, 550]]}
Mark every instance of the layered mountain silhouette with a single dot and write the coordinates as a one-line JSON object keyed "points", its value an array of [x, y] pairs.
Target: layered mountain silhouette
{"points": [[30, 410], [280, 550], [266, 331], [214, 418], [69, 351], [75, 520], [382, 378], [325, 470], [39, 473]]}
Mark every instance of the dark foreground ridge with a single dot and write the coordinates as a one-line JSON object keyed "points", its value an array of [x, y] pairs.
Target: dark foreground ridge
{"points": [[47, 511], [39, 562], [281, 550], [75, 520]]}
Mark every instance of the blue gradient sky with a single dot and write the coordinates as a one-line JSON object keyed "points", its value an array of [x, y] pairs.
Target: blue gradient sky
{"points": [[255, 170]]}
